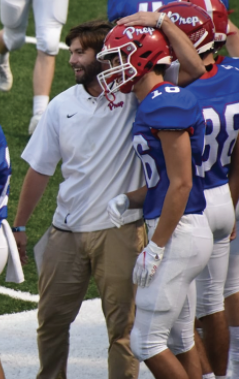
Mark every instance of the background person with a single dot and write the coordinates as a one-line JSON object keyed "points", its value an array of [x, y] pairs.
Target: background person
{"points": [[117, 9], [221, 184], [50, 17], [4, 190], [231, 291]]}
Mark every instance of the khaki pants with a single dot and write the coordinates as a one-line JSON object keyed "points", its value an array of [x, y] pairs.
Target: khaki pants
{"points": [[68, 262]]}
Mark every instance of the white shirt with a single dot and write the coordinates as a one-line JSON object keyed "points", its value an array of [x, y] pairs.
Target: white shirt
{"points": [[94, 143]]}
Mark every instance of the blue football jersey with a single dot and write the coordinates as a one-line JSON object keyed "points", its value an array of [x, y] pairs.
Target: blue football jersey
{"points": [[226, 3], [121, 8], [218, 94], [168, 107], [227, 61], [5, 174]]}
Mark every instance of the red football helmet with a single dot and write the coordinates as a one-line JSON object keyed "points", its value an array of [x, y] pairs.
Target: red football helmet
{"points": [[193, 21], [138, 50], [218, 12]]}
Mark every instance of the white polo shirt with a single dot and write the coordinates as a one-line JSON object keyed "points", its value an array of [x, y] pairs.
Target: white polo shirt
{"points": [[94, 142]]}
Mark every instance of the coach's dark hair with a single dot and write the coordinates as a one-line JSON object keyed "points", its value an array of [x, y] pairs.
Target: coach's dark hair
{"points": [[91, 34]]}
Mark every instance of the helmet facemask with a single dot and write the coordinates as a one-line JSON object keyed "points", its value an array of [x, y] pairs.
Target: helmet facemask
{"points": [[120, 76]]}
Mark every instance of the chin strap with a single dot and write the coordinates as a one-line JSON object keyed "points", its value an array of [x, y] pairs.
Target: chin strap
{"points": [[110, 97]]}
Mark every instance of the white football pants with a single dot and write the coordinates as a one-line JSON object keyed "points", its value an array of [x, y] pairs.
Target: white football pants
{"points": [[168, 304], [211, 281]]}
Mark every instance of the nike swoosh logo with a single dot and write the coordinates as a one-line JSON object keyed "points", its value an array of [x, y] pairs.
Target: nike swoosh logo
{"points": [[71, 115]]}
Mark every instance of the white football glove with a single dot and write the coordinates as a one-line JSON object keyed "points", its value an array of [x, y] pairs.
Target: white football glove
{"points": [[116, 207], [147, 263]]}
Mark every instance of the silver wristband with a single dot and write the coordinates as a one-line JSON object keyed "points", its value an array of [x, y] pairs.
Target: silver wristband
{"points": [[160, 20], [16, 229]]}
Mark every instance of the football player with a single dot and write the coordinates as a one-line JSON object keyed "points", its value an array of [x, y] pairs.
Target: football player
{"points": [[4, 192], [218, 94], [49, 17], [168, 138], [121, 8], [219, 15]]}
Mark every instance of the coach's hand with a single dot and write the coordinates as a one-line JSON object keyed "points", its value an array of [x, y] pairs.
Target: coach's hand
{"points": [[21, 241], [147, 263], [116, 207]]}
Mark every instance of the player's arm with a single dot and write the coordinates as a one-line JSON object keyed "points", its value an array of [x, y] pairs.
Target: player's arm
{"points": [[33, 188], [234, 174], [137, 197], [232, 43], [191, 65], [177, 153]]}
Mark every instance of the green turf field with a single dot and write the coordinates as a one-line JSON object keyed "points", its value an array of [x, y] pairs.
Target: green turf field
{"points": [[15, 113]]}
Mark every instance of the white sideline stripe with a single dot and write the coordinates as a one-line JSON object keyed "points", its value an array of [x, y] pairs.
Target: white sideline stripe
{"points": [[19, 295], [33, 40]]}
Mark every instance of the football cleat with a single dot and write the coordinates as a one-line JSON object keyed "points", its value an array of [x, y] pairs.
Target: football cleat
{"points": [[6, 78]]}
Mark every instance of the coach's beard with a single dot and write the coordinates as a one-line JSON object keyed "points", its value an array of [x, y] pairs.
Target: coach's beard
{"points": [[89, 73]]}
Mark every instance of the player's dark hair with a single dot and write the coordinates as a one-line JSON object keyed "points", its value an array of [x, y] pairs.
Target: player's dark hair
{"points": [[91, 34], [160, 69], [206, 53]]}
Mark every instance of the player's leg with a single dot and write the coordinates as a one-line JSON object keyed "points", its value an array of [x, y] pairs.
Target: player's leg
{"points": [[216, 339], [211, 281], [42, 80], [63, 283], [112, 267], [14, 16], [231, 294], [165, 365], [232, 43], [205, 364], [160, 304], [181, 338], [49, 20], [210, 308]]}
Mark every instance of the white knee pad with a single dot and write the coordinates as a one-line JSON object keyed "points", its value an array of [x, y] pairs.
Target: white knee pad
{"points": [[14, 14], [48, 39], [13, 40], [146, 340], [136, 344], [48, 24], [181, 338]]}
